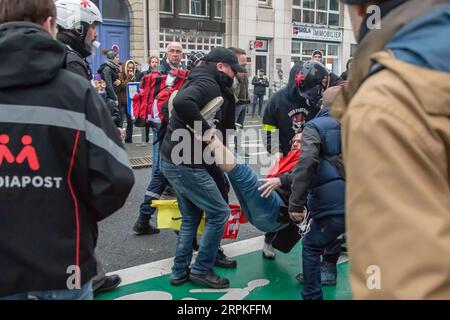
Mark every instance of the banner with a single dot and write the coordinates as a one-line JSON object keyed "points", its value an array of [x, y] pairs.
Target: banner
{"points": [[132, 89]]}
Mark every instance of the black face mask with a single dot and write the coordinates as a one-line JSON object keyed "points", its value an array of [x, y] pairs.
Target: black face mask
{"points": [[225, 80]]}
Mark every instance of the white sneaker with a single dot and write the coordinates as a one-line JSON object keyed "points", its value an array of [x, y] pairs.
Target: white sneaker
{"points": [[268, 251]]}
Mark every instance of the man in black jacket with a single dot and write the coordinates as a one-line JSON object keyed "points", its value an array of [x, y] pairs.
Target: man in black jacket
{"points": [[288, 112], [65, 169], [260, 84], [77, 30], [183, 164]]}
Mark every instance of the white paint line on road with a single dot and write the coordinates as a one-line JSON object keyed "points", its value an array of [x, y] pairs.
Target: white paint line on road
{"points": [[164, 267]]}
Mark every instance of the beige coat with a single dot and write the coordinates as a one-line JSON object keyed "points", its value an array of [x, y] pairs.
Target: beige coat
{"points": [[396, 144]]}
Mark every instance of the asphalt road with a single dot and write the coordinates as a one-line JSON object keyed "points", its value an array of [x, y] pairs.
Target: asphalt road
{"points": [[119, 248]]}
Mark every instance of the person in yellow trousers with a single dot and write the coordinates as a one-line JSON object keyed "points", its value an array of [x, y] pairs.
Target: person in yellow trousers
{"points": [[395, 116]]}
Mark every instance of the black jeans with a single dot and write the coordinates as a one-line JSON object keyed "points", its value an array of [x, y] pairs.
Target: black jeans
{"points": [[256, 98]]}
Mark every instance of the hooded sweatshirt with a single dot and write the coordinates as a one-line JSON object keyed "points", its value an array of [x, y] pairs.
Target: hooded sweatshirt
{"points": [[287, 112], [423, 42], [203, 86], [110, 73], [62, 164]]}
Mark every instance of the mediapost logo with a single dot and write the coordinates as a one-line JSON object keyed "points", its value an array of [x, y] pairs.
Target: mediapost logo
{"points": [[26, 157]]}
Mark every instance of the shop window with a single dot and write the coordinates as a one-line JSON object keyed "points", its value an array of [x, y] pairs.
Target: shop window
{"points": [[321, 18], [333, 19], [322, 5], [166, 6], [184, 6], [198, 7], [296, 47], [296, 15], [264, 3], [194, 7], [218, 9], [303, 50], [332, 50], [334, 5], [320, 12], [310, 47], [115, 10], [308, 16], [353, 48], [191, 40], [308, 4]]}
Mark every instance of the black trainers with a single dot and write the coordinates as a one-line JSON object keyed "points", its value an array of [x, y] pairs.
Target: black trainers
{"points": [[211, 279], [179, 281], [110, 283], [143, 226], [222, 261]]}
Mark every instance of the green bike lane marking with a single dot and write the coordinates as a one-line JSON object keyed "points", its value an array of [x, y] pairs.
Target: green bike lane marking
{"points": [[255, 278]]}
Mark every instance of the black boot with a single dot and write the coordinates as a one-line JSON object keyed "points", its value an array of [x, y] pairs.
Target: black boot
{"points": [[110, 283], [143, 226], [222, 261]]}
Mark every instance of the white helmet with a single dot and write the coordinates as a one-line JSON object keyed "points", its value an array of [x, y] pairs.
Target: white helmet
{"points": [[76, 14]]}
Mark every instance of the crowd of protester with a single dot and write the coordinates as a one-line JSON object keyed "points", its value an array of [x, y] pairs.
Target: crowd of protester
{"points": [[394, 140]]}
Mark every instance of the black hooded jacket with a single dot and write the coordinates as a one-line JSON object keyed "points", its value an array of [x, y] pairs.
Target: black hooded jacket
{"points": [[110, 73], [63, 167], [204, 84], [76, 56], [288, 112]]}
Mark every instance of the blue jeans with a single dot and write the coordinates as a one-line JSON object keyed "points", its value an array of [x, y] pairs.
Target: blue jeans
{"points": [[196, 193], [256, 98], [124, 115], [260, 212], [158, 182], [324, 232], [85, 293], [240, 113]]}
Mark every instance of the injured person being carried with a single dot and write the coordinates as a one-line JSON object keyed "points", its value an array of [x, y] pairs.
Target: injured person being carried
{"points": [[262, 200]]}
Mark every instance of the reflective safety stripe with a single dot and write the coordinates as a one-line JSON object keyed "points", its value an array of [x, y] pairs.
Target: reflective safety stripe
{"points": [[64, 119], [270, 128], [97, 136], [153, 195]]}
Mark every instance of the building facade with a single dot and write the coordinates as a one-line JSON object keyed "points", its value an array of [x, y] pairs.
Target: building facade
{"points": [[275, 33]]}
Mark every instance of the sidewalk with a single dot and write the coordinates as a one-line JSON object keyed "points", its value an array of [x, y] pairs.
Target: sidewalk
{"points": [[140, 154]]}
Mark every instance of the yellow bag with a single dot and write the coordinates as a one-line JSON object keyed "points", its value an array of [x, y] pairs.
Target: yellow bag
{"points": [[169, 216]]}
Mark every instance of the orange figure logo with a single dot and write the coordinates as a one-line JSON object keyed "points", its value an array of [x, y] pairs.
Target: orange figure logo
{"points": [[28, 153], [5, 153]]}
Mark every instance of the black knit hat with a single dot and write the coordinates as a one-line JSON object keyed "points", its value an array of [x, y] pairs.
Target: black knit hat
{"points": [[195, 59], [317, 52]]}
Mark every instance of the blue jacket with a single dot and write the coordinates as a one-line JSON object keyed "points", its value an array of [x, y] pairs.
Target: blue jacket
{"points": [[316, 181]]}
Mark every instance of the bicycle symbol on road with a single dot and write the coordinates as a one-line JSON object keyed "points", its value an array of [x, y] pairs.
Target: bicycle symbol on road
{"points": [[230, 294]]}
